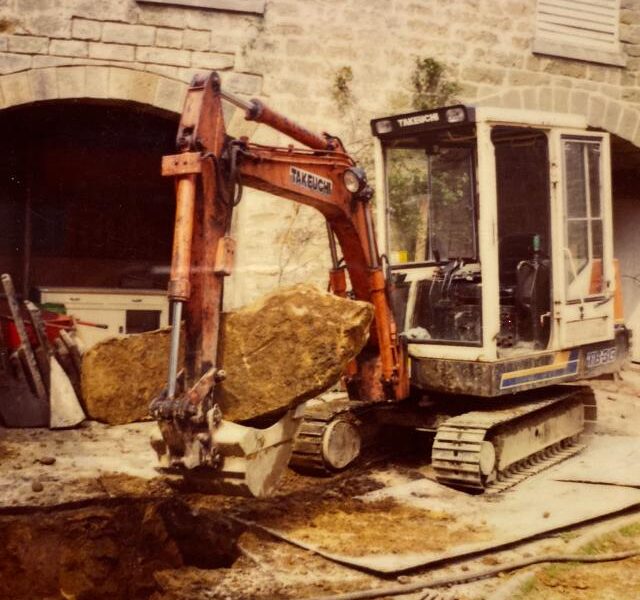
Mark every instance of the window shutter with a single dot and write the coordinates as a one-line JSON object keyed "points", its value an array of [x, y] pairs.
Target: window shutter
{"points": [[581, 25]]}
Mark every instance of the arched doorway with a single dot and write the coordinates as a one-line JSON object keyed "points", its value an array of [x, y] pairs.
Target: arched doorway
{"points": [[82, 201]]}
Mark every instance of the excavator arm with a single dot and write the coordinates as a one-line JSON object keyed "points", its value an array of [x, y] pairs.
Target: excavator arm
{"points": [[210, 169]]}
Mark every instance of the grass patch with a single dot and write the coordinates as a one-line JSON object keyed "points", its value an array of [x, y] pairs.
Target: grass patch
{"points": [[557, 574], [631, 530]]}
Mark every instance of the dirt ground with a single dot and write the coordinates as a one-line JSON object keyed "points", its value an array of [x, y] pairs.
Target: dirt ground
{"points": [[98, 521]]}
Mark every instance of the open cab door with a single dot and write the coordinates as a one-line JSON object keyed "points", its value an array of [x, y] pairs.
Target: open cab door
{"points": [[584, 281]]}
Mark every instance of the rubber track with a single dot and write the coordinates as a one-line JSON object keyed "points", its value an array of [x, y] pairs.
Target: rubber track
{"points": [[456, 448], [307, 447]]}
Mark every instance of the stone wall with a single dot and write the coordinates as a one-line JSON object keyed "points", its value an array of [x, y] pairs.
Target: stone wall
{"points": [[289, 55]]}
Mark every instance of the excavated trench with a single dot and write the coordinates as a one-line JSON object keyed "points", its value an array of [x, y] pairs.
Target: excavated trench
{"points": [[108, 548]]}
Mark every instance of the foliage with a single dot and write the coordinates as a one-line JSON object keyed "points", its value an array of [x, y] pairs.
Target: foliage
{"points": [[408, 176], [430, 86], [341, 89]]}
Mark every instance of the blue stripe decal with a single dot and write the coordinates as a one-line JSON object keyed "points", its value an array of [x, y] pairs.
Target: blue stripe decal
{"points": [[563, 370], [570, 369]]}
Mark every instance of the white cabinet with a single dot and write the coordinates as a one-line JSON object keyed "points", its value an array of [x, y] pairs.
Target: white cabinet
{"points": [[102, 313]]}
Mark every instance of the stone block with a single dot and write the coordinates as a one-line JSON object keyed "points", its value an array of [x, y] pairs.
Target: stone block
{"points": [[10, 63], [629, 16], [629, 123], [494, 100], [631, 95], [567, 68], [170, 95], [128, 84], [520, 77], [633, 64], [50, 24], [612, 116], [545, 98], [561, 99], [71, 82], [512, 99], [611, 91], [197, 40], [530, 98], [632, 50], [212, 60], [579, 102], [636, 138], [168, 38], [597, 73], [77, 48], [243, 83], [596, 111], [629, 80], [164, 56], [44, 83], [123, 33], [114, 10], [630, 33], [163, 70], [16, 89], [97, 82], [102, 51], [28, 44], [162, 16], [43, 61], [86, 29], [486, 75]]}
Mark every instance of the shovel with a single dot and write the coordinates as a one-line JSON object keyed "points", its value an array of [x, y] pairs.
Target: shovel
{"points": [[22, 403], [65, 407]]}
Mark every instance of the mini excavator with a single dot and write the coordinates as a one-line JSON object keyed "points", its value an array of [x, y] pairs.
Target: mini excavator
{"points": [[492, 279]]}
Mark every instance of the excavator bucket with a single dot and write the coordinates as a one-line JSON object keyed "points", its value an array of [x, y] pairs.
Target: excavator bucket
{"points": [[224, 457]]}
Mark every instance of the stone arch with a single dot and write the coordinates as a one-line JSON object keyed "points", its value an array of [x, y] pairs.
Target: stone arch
{"points": [[92, 82], [601, 111]]}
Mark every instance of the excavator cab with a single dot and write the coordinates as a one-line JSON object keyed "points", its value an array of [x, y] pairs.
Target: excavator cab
{"points": [[497, 228]]}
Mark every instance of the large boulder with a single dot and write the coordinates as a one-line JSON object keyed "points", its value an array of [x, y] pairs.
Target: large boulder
{"points": [[120, 376], [288, 347], [283, 349]]}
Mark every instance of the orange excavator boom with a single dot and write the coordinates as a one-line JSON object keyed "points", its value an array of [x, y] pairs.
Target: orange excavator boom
{"points": [[210, 170]]}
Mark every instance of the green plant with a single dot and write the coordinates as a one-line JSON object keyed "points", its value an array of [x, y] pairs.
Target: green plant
{"points": [[430, 85], [341, 89]]}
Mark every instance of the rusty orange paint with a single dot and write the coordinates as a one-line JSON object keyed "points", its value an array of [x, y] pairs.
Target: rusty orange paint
{"points": [[618, 310], [179, 287], [311, 177]]}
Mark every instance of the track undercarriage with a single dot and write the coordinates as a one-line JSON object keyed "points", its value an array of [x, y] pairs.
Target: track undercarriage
{"points": [[480, 450]]}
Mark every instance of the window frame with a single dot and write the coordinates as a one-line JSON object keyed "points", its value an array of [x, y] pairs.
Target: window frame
{"points": [[588, 217]]}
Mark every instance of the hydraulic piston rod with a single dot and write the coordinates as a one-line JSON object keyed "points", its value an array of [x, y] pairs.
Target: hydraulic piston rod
{"points": [[179, 288], [255, 110]]}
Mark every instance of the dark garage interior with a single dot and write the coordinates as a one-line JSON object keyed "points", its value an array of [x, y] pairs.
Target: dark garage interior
{"points": [[82, 201]]}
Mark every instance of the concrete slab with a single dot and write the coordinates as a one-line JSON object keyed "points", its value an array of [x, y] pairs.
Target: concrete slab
{"points": [[608, 459]]}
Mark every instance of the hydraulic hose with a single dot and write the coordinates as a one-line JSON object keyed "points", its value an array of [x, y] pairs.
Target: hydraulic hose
{"points": [[417, 586]]}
